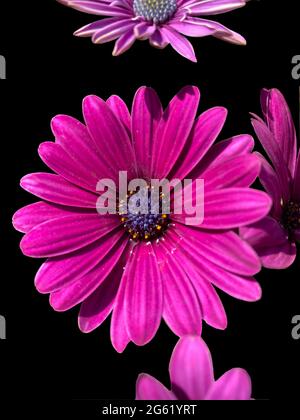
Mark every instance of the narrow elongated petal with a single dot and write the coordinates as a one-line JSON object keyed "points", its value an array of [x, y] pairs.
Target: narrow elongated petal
{"points": [[173, 130], [35, 214], [77, 292], [204, 133], [280, 122], [191, 368], [231, 208], [96, 308], [226, 249], [67, 234], [149, 388], [124, 42], [118, 328], [233, 385], [215, 7], [55, 189], [146, 115], [224, 150], [118, 106], [238, 172], [96, 7], [143, 295], [60, 272], [110, 136], [179, 43], [182, 311]]}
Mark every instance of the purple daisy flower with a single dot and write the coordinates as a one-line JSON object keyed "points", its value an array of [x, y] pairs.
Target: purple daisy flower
{"points": [[274, 238], [162, 22], [192, 377], [142, 268]]}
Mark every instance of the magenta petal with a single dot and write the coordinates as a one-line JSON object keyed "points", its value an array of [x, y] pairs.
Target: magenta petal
{"points": [[212, 309], [96, 308], [280, 122], [296, 189], [233, 385], [204, 132], [213, 7], [146, 115], [55, 189], [118, 329], [67, 234], [275, 154], [182, 310], [68, 297], [225, 249], [35, 214], [191, 368], [60, 272], [124, 42], [192, 27], [110, 136], [278, 257], [179, 43], [74, 138], [97, 7], [143, 295], [224, 150], [238, 172], [243, 288], [270, 181], [113, 30], [149, 388], [119, 108], [173, 130]]}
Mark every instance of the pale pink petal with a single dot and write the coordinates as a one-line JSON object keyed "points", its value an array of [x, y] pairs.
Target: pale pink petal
{"points": [[233, 385], [214, 7], [149, 388], [191, 369], [124, 42]]}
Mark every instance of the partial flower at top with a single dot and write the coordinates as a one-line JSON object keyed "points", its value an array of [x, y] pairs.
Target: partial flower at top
{"points": [[274, 238], [143, 267], [162, 22], [192, 377]]}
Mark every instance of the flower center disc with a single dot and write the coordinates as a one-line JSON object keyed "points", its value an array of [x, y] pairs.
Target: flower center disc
{"points": [[157, 11], [144, 223], [291, 216]]}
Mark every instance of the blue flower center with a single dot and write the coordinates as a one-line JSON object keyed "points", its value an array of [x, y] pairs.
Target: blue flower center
{"points": [[144, 221], [291, 216], [157, 11]]}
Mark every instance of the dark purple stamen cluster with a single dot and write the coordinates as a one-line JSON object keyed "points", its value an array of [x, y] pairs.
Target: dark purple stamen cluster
{"points": [[291, 216]]}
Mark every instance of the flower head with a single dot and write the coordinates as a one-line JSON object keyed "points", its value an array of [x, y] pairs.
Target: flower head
{"points": [[142, 267], [192, 377], [275, 237], [162, 22]]}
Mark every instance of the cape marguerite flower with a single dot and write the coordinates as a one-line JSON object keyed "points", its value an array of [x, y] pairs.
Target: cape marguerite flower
{"points": [[192, 377], [142, 267], [162, 22], [274, 238]]}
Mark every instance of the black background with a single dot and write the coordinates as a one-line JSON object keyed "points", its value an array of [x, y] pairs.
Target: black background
{"points": [[49, 72]]}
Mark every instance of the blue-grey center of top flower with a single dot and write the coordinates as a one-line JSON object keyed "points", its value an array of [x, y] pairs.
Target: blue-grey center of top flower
{"points": [[291, 216], [157, 11], [143, 218]]}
